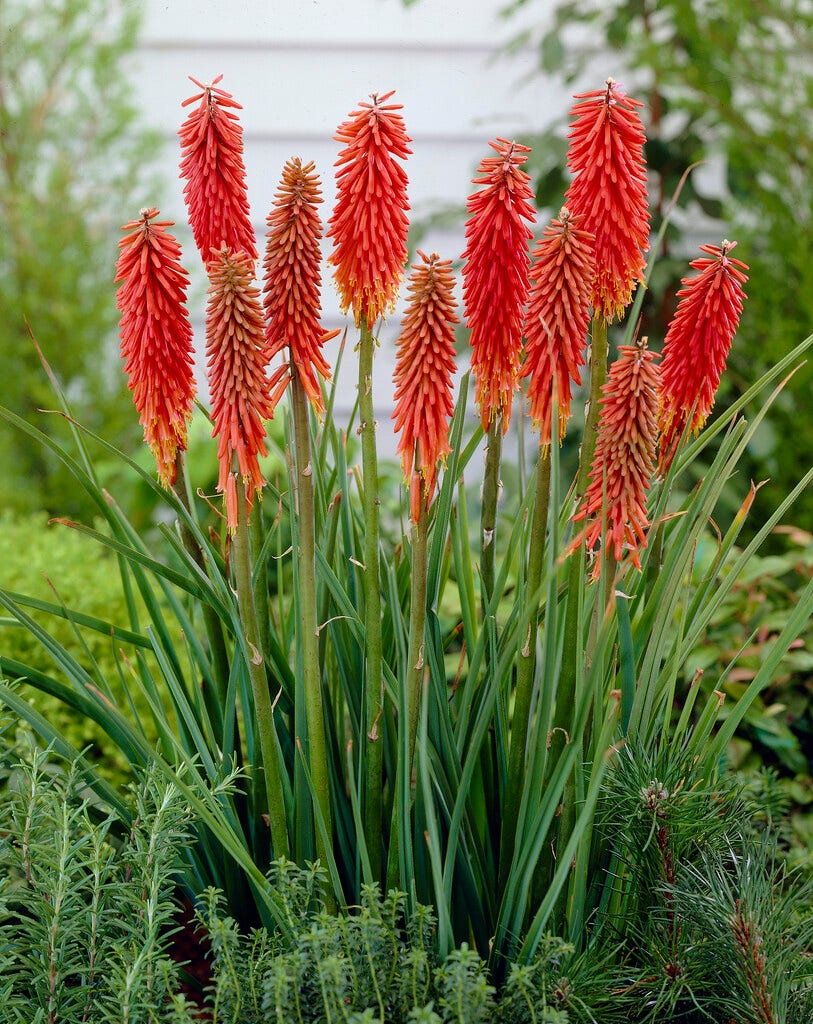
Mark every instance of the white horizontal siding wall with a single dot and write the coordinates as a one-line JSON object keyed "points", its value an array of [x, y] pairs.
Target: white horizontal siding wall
{"points": [[299, 67]]}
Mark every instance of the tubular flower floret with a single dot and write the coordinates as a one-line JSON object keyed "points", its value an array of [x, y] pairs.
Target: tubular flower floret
{"points": [[369, 224], [293, 279], [212, 166], [156, 336], [238, 385], [624, 459], [609, 193], [495, 276], [561, 277], [424, 369], [697, 344]]}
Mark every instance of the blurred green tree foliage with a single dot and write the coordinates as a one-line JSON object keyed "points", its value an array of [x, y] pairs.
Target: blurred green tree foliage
{"points": [[729, 82], [72, 163]]}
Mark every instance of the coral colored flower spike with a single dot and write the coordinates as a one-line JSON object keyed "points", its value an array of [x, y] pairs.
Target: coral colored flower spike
{"points": [[697, 344], [212, 165], [608, 191], [561, 276], [156, 336], [238, 385], [293, 279], [424, 369], [495, 276], [624, 459], [369, 223]]}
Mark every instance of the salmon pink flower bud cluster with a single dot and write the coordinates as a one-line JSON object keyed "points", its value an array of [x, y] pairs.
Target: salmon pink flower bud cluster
{"points": [[156, 336], [495, 276], [423, 373]]}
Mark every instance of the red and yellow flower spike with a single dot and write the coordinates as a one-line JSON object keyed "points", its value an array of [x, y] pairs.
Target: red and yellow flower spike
{"points": [[212, 165], [624, 459], [156, 336], [424, 368], [697, 344], [495, 276], [561, 277], [238, 385], [369, 223], [608, 192], [293, 279]]}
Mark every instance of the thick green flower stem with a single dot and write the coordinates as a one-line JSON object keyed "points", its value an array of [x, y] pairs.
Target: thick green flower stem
{"points": [[488, 518], [306, 572], [573, 648], [526, 663], [263, 708], [413, 682], [374, 679], [598, 377], [216, 696]]}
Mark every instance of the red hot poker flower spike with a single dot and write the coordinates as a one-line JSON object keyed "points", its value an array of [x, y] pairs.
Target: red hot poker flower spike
{"points": [[424, 368], [293, 279], [609, 191], [558, 317], [495, 276], [697, 344], [238, 385], [156, 336], [212, 165], [369, 223], [624, 459]]}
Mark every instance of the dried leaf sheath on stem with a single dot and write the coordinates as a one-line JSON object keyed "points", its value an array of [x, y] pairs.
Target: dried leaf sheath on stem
{"points": [[156, 336]]}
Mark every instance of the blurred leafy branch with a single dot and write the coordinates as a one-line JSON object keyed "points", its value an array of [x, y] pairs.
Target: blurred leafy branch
{"points": [[730, 84], [72, 155]]}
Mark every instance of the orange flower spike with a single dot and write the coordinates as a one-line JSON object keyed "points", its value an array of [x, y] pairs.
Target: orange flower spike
{"points": [[495, 276], [369, 223], [608, 191], [293, 279], [561, 277], [212, 165], [624, 459], [156, 336], [697, 344], [424, 368], [238, 385]]}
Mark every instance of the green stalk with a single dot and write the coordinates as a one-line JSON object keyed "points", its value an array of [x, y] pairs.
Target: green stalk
{"points": [[374, 680], [306, 571], [573, 644], [525, 665], [211, 620], [488, 519], [413, 682], [263, 709]]}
